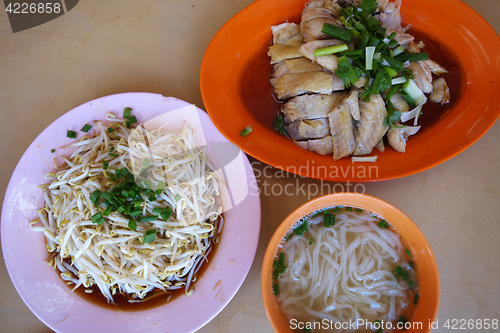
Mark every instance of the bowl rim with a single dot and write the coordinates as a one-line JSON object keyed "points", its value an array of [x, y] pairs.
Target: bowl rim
{"points": [[423, 256]]}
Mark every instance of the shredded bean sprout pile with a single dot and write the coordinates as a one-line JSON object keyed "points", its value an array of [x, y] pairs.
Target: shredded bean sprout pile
{"points": [[110, 254]]}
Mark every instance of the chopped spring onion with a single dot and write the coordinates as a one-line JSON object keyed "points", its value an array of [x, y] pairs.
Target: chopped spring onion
{"points": [[411, 114], [348, 209], [383, 224], [398, 80], [415, 299], [358, 210], [412, 56], [301, 228], [369, 51], [412, 265], [276, 289], [71, 134], [105, 165], [149, 218], [337, 210], [412, 93], [126, 112], [130, 121], [408, 253], [132, 225], [246, 131], [328, 219], [86, 128], [364, 158], [52, 150], [402, 320], [111, 129], [336, 32], [149, 236], [311, 240], [177, 197], [330, 50], [396, 51], [279, 265]]}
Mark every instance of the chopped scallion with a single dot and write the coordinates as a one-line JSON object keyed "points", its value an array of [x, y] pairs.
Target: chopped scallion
{"points": [[246, 131], [71, 134], [126, 112], [86, 128], [149, 236], [330, 50], [369, 52]]}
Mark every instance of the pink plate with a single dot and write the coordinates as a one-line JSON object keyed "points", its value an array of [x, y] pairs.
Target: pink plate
{"points": [[45, 293]]}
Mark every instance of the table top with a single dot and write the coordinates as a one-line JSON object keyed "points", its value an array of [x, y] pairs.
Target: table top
{"points": [[105, 47]]}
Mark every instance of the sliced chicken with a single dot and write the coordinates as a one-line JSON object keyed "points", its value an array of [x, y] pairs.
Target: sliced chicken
{"points": [[401, 37], [293, 84], [422, 75], [397, 137], [311, 30], [390, 15], [435, 67], [329, 61], [441, 93], [342, 126], [310, 106], [400, 103], [287, 34], [283, 52], [308, 129], [299, 65], [334, 7], [320, 146], [370, 129], [380, 145], [361, 82]]}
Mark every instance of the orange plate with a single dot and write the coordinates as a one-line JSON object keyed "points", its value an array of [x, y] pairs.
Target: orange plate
{"points": [[425, 263], [236, 90]]}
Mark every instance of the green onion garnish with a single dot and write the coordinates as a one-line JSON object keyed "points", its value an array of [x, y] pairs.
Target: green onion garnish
{"points": [[422, 56], [105, 165], [246, 131], [86, 128], [149, 236], [110, 130], [130, 121], [301, 228], [383, 224], [149, 218], [415, 299], [279, 265], [132, 225], [337, 210], [276, 289], [398, 80], [336, 32], [408, 253], [114, 155], [412, 265], [311, 240], [166, 213], [358, 210], [97, 218], [330, 50], [52, 150], [287, 238], [71, 134], [126, 112], [348, 209], [328, 219], [177, 197], [369, 51]]}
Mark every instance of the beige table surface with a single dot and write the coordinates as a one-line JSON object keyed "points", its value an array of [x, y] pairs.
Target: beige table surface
{"points": [[106, 47]]}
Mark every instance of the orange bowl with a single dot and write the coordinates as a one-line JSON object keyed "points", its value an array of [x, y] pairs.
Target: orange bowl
{"points": [[425, 263], [235, 87]]}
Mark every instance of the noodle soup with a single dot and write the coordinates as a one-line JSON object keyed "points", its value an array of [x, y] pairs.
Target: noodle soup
{"points": [[344, 269]]}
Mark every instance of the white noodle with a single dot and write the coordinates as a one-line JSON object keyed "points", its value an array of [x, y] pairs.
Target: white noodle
{"points": [[345, 274]]}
